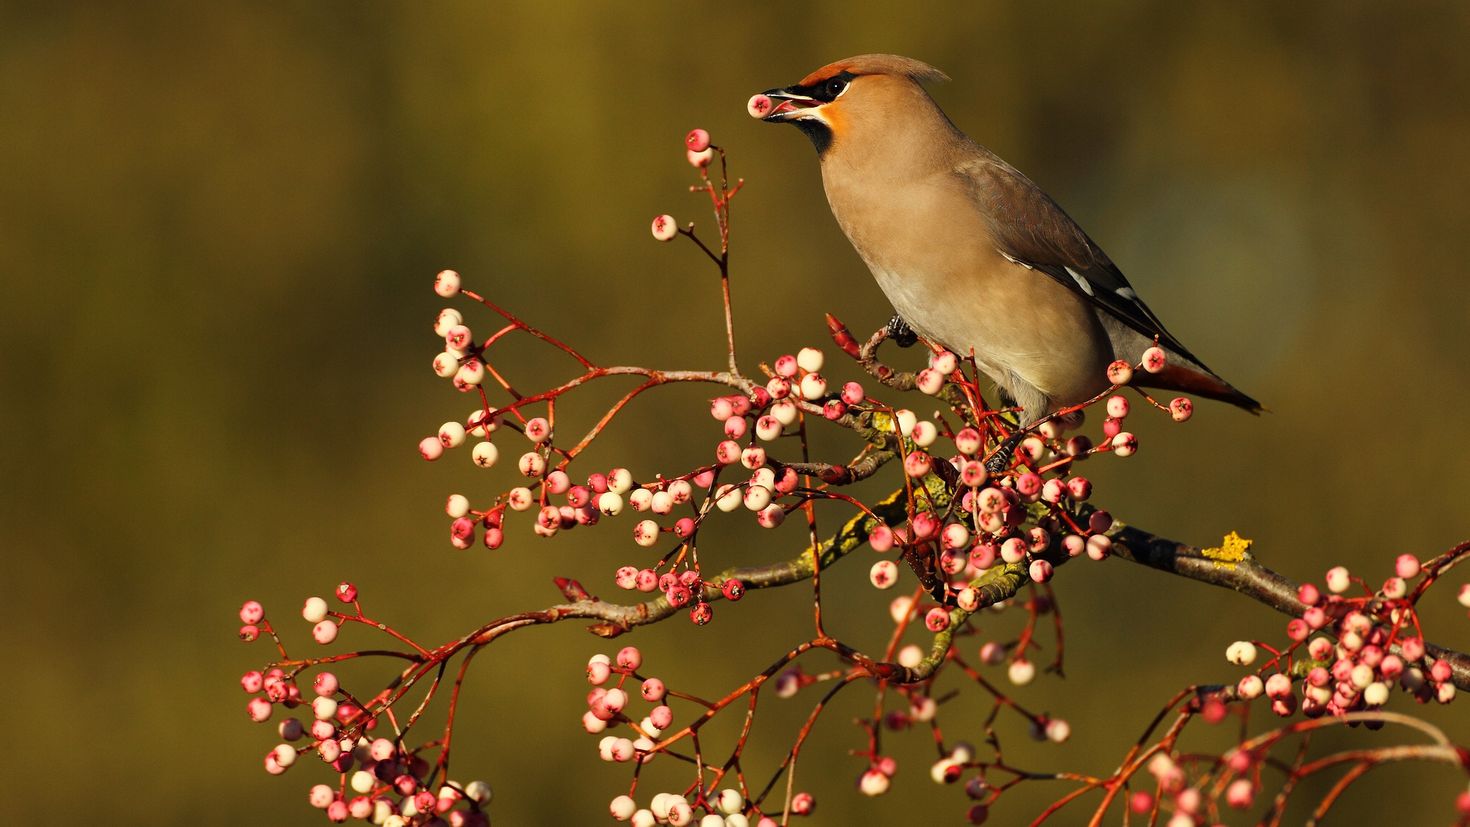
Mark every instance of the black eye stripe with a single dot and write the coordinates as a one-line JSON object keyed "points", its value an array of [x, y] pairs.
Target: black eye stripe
{"points": [[828, 90]]}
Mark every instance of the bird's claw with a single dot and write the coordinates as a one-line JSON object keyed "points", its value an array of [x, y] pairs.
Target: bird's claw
{"points": [[900, 332], [1001, 459]]}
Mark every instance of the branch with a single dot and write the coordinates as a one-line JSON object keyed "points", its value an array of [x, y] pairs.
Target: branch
{"points": [[1246, 576]]}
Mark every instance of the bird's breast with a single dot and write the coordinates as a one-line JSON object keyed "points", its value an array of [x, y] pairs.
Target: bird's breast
{"points": [[931, 251]]}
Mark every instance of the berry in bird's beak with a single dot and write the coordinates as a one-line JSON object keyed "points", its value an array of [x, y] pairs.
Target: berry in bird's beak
{"points": [[775, 105]]}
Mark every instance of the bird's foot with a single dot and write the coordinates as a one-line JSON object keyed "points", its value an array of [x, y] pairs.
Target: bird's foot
{"points": [[900, 332]]}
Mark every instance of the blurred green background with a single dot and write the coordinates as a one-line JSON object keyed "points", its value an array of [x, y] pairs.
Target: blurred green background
{"points": [[218, 227]]}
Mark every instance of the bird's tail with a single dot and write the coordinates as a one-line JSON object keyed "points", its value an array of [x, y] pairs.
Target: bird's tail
{"points": [[1179, 375]]}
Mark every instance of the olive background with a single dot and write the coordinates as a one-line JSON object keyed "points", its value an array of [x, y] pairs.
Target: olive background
{"points": [[218, 228]]}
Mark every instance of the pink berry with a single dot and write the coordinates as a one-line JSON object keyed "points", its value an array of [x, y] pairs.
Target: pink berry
{"points": [[1412, 649], [664, 227], [701, 614], [1181, 408], [697, 140], [1118, 407], [1154, 359], [249, 632], [1240, 794], [430, 448], [626, 577], [259, 710], [346, 592], [321, 796], [1406, 566], [803, 804], [760, 106], [630, 658], [1080, 488], [1308, 594], [653, 690], [251, 681], [936, 619], [251, 612], [325, 684], [917, 464], [983, 555], [733, 589], [1041, 571], [324, 632]]}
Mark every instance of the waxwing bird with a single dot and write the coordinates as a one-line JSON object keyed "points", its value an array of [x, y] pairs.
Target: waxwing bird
{"points": [[973, 255]]}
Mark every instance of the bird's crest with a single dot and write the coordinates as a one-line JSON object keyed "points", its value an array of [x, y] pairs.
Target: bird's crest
{"points": [[916, 70]]}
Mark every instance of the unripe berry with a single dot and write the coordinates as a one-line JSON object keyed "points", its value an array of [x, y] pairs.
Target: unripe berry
{"points": [[1120, 372], [314, 610], [929, 381], [1013, 550], [883, 574], [430, 448], [1338, 579], [1125, 444], [925, 433], [1021, 672], [1154, 359], [1278, 685], [803, 804], [645, 533], [1249, 687], [484, 454], [1241, 653], [813, 386], [664, 227], [699, 159], [1040, 571], [610, 503], [446, 283], [757, 497], [470, 374], [1117, 407], [1181, 408], [870, 783]]}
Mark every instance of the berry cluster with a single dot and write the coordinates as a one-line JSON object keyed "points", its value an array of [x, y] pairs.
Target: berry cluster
{"points": [[380, 779], [983, 513], [1350, 647]]}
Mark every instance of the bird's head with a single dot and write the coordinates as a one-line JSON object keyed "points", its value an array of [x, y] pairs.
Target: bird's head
{"points": [[848, 97]]}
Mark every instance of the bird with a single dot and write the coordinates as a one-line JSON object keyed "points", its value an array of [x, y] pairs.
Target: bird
{"points": [[972, 255]]}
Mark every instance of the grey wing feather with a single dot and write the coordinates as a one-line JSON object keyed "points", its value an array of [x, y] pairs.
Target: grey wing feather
{"points": [[1032, 230]]}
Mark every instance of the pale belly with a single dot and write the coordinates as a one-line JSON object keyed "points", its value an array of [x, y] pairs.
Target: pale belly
{"points": [[1033, 337]]}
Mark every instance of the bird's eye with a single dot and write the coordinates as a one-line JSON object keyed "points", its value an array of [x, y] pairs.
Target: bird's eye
{"points": [[835, 86]]}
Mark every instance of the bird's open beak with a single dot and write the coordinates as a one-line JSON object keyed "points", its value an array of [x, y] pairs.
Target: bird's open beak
{"points": [[780, 105]]}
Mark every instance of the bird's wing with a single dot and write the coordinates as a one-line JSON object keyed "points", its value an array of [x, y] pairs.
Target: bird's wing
{"points": [[1031, 230]]}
